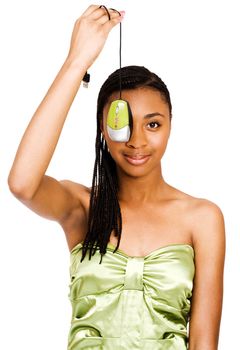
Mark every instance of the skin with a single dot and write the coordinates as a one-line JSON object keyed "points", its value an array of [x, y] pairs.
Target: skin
{"points": [[149, 137], [154, 213], [167, 214]]}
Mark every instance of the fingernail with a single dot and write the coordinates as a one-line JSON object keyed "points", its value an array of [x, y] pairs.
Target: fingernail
{"points": [[122, 13]]}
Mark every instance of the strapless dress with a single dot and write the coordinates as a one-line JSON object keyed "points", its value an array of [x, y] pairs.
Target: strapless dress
{"points": [[131, 302]]}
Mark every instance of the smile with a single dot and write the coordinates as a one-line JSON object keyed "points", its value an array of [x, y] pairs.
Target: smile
{"points": [[137, 160]]}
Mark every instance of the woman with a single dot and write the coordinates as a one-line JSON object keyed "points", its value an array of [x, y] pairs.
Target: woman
{"points": [[167, 269]]}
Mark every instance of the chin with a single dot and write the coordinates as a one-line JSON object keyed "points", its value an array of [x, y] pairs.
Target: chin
{"points": [[136, 167], [134, 171]]}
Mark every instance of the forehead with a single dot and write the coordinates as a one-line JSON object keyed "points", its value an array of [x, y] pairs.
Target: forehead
{"points": [[142, 101]]}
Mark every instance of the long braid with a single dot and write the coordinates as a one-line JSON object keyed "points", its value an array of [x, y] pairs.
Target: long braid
{"points": [[104, 210]]}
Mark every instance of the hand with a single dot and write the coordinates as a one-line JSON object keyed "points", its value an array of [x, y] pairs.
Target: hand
{"points": [[90, 33]]}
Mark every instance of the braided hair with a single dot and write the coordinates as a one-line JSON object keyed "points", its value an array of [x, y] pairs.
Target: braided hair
{"points": [[104, 211]]}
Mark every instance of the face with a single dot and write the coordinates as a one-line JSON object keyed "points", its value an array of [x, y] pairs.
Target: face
{"points": [[150, 133]]}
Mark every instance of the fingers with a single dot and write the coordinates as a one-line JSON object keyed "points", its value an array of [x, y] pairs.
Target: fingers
{"points": [[90, 10], [115, 19], [100, 14], [114, 16]]}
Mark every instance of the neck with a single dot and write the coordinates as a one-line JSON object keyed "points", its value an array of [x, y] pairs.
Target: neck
{"points": [[141, 189]]}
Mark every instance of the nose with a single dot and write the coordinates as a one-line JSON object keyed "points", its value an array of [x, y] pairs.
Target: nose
{"points": [[137, 138]]}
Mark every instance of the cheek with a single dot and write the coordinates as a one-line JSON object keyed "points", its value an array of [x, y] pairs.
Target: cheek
{"points": [[158, 141], [113, 147]]}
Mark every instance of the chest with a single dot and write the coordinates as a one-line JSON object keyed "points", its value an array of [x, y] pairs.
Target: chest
{"points": [[145, 229]]}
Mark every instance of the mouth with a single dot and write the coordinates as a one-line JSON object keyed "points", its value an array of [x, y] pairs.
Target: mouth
{"points": [[137, 159]]}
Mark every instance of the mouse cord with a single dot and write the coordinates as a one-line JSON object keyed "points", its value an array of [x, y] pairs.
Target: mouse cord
{"points": [[86, 78]]}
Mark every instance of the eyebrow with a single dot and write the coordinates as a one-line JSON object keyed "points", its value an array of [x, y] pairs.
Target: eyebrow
{"points": [[150, 115]]}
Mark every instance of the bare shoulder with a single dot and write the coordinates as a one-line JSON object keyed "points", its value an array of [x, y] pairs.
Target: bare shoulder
{"points": [[203, 217], [82, 193], [207, 224], [203, 209], [75, 225], [198, 207], [205, 214], [79, 190], [80, 211]]}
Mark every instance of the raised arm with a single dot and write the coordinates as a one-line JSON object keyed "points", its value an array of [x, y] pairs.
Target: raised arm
{"points": [[27, 180]]}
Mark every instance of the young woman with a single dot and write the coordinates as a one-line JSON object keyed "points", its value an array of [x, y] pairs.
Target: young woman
{"points": [[156, 254]]}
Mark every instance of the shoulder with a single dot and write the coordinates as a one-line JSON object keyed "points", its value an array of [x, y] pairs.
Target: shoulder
{"points": [[207, 224], [204, 210], [74, 224], [78, 190], [81, 193], [198, 208], [205, 215], [204, 219]]}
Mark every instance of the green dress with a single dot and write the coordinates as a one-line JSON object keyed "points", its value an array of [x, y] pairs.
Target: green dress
{"points": [[129, 302]]}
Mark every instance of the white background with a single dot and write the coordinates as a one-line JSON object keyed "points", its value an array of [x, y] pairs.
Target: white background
{"points": [[194, 47]]}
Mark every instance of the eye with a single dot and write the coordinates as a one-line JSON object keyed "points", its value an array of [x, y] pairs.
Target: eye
{"points": [[154, 125]]}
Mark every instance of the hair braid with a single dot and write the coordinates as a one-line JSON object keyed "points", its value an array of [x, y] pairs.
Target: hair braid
{"points": [[104, 211]]}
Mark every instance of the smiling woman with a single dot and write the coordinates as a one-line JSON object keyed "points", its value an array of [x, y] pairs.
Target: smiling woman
{"points": [[156, 254], [150, 130], [139, 156]]}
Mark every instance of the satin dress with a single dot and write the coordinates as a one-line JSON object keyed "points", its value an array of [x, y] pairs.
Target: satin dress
{"points": [[130, 302]]}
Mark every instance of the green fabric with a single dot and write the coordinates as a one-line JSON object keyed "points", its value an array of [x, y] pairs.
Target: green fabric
{"points": [[129, 302]]}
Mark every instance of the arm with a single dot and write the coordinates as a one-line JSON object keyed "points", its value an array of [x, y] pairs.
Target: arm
{"points": [[206, 307], [43, 131], [27, 180]]}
